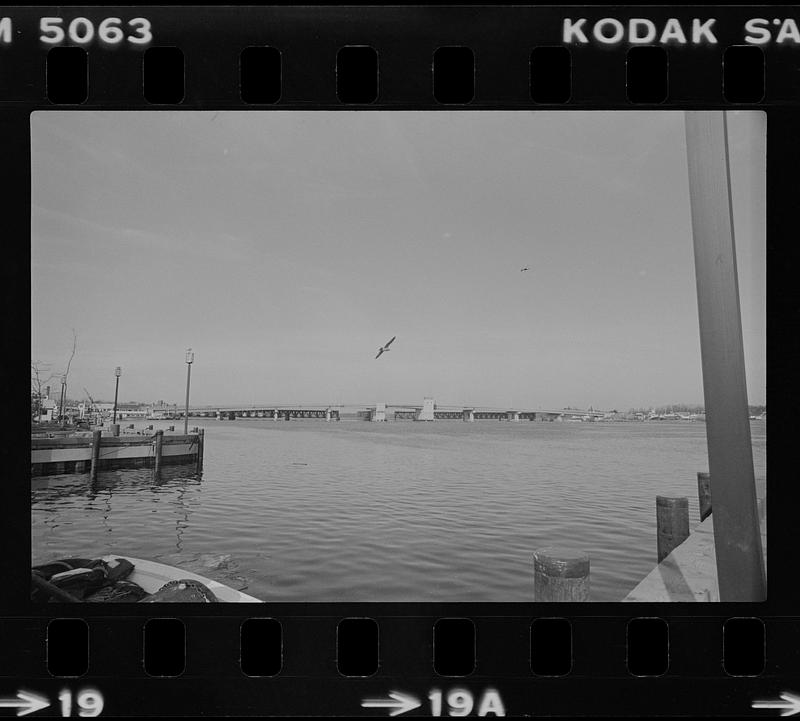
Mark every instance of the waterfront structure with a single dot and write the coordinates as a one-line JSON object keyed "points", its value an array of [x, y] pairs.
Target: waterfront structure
{"points": [[47, 410], [92, 451]]}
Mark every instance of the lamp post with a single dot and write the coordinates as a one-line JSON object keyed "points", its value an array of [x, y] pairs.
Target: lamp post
{"points": [[117, 373], [63, 399], [189, 361]]}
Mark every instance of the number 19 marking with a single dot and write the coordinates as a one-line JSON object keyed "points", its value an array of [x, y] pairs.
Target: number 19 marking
{"points": [[90, 702]]}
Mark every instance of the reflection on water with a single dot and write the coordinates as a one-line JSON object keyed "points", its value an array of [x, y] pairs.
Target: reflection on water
{"points": [[353, 511], [104, 501]]}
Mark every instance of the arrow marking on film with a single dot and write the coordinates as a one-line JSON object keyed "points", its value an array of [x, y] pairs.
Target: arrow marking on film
{"points": [[790, 704], [401, 703], [25, 703]]}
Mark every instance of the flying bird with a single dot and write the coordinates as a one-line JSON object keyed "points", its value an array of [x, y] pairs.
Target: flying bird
{"points": [[522, 270], [385, 348]]}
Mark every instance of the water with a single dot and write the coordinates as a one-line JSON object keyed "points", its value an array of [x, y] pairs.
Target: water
{"points": [[398, 511]]}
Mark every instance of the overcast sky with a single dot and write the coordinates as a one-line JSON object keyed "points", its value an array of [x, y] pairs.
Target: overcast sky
{"points": [[286, 247]]}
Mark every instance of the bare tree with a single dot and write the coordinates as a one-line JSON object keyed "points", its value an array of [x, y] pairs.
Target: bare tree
{"points": [[74, 348], [39, 369], [65, 374]]}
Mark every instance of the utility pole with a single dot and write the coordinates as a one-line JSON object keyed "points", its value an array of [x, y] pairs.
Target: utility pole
{"points": [[737, 532]]}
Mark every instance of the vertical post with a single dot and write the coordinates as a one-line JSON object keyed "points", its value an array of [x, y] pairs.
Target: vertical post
{"points": [[704, 494], [560, 575], [95, 454], [189, 360], [117, 373], [200, 445], [63, 398], [672, 524], [737, 536], [159, 442]]}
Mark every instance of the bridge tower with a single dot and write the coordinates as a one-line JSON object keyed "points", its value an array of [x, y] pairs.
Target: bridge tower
{"points": [[426, 412], [379, 413]]}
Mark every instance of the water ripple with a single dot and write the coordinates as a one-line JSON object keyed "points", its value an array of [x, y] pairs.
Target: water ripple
{"points": [[351, 511]]}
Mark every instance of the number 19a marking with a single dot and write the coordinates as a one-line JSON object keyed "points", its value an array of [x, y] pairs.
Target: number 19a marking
{"points": [[460, 702]]}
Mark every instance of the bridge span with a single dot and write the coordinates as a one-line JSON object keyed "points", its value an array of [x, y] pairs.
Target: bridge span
{"points": [[428, 411]]}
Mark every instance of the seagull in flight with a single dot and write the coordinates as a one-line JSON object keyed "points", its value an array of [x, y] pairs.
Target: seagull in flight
{"points": [[522, 270], [385, 348]]}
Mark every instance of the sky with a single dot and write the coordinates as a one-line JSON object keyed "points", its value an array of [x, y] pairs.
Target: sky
{"points": [[285, 247]]}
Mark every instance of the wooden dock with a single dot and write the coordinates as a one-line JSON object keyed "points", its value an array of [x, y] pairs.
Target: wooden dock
{"points": [[92, 451], [689, 572]]}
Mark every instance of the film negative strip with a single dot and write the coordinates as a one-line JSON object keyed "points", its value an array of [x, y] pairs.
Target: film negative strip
{"points": [[561, 218]]}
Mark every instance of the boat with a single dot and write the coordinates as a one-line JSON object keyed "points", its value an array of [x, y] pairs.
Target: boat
{"points": [[115, 578], [152, 576]]}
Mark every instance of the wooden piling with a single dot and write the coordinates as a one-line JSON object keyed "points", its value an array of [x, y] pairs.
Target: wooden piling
{"points": [[200, 444], [159, 441], [672, 524], [560, 575], [704, 494], [95, 454]]}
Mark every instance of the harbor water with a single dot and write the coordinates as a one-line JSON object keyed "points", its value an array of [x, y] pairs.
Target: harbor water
{"points": [[399, 511]]}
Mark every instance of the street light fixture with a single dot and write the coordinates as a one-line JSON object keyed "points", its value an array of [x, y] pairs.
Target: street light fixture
{"points": [[189, 361], [117, 373]]}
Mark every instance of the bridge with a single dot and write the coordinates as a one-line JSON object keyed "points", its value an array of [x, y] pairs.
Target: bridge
{"points": [[428, 411]]}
